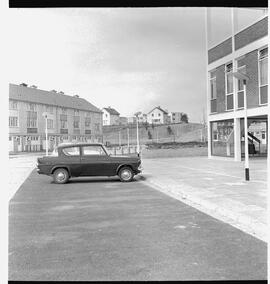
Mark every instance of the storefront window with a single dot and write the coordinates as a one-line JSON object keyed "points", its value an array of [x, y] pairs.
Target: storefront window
{"points": [[222, 138]]}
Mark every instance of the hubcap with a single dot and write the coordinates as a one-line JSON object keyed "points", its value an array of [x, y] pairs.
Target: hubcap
{"points": [[61, 176], [126, 174]]}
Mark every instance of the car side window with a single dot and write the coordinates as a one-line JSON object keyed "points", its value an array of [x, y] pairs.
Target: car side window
{"points": [[71, 151], [93, 150]]}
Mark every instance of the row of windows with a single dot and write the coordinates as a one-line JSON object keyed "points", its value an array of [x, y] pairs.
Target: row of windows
{"points": [[263, 83], [31, 122], [13, 105]]}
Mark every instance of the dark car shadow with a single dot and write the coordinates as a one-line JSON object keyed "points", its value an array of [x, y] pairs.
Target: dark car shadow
{"points": [[99, 180]]}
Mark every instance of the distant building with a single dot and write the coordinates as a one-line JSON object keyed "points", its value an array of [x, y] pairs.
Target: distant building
{"points": [[110, 116], [175, 117], [245, 51], [131, 119], [142, 118], [123, 120], [158, 116], [70, 118]]}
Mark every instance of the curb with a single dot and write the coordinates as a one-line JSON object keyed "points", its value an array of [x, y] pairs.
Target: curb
{"points": [[237, 220]]}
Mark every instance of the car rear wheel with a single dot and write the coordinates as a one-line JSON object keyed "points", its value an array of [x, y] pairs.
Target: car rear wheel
{"points": [[60, 176], [126, 174]]}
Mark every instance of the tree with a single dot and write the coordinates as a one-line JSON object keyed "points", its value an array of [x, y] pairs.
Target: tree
{"points": [[169, 129], [184, 117]]}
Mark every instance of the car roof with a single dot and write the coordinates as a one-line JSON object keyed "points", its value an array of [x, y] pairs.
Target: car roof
{"points": [[62, 145]]}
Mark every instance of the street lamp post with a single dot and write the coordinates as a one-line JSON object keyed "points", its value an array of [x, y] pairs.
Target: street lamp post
{"points": [[120, 138], [45, 115], [244, 78], [128, 137], [137, 120]]}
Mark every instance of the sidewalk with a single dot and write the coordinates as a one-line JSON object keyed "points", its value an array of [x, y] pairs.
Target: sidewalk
{"points": [[20, 167], [216, 188]]}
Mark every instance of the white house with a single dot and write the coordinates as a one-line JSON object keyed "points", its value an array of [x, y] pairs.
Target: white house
{"points": [[158, 116], [175, 117], [110, 116]]}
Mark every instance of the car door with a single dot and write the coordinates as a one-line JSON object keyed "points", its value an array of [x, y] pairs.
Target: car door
{"points": [[94, 161], [70, 157]]}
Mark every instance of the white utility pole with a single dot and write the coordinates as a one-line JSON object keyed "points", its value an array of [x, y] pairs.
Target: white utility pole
{"points": [[119, 138], [138, 142], [245, 78], [128, 137], [45, 115]]}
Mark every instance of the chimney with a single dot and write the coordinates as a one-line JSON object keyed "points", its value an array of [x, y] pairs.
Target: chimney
{"points": [[34, 87], [23, 84], [76, 96], [61, 92], [53, 91]]}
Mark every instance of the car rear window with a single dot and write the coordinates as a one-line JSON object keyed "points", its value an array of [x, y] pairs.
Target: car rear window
{"points": [[54, 153], [71, 151]]}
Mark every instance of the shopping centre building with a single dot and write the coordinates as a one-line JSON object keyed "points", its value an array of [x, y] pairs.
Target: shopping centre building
{"points": [[69, 119], [237, 43]]}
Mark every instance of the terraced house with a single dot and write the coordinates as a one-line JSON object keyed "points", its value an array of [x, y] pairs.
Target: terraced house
{"points": [[237, 46], [70, 119]]}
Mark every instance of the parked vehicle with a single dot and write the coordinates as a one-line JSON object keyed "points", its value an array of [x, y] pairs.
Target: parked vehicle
{"points": [[87, 159]]}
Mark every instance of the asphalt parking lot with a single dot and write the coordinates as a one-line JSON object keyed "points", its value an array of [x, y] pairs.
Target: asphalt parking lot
{"points": [[94, 229]]}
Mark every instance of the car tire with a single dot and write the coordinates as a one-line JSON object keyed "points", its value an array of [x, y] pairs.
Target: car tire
{"points": [[126, 174], [60, 176]]}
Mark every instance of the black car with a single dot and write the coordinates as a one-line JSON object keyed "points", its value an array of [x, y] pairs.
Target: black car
{"points": [[84, 159]]}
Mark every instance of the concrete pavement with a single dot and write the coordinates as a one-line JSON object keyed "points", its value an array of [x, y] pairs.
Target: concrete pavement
{"points": [[214, 187], [100, 229]]}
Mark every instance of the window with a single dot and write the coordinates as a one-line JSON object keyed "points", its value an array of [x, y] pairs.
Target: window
{"points": [[222, 138], [152, 114], [71, 151], [213, 92], [64, 110], [76, 112], [97, 127], [32, 107], [63, 124], [50, 123], [13, 104], [93, 150], [87, 122], [76, 122], [263, 74], [31, 121], [229, 86], [159, 114], [49, 109], [240, 86], [13, 121], [263, 135]]}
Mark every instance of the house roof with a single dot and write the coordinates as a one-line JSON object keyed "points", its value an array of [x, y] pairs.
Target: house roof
{"points": [[111, 111], [159, 109], [34, 95]]}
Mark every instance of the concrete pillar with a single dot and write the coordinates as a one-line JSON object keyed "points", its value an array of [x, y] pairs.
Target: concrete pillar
{"points": [[237, 140]]}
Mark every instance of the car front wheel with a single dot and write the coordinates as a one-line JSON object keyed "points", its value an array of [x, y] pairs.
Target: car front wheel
{"points": [[126, 174], [60, 176]]}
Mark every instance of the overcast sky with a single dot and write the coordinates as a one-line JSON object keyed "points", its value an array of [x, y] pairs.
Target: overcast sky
{"points": [[131, 59]]}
